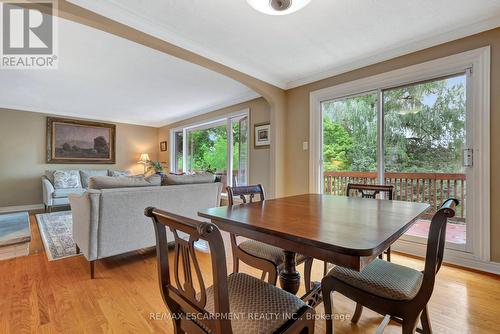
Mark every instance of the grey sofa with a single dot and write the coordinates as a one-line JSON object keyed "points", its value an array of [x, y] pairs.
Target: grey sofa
{"points": [[108, 222], [55, 197]]}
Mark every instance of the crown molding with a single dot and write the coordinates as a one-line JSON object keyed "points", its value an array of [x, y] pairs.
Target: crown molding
{"points": [[116, 11], [401, 50]]}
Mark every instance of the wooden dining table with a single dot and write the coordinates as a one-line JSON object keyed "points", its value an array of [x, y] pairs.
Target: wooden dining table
{"points": [[346, 231]]}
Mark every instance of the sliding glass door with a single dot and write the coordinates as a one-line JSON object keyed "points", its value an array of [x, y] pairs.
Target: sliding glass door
{"points": [[349, 141], [218, 146], [415, 137], [425, 143]]}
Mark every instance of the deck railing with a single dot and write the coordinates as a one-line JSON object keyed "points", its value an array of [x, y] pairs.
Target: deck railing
{"points": [[432, 188]]}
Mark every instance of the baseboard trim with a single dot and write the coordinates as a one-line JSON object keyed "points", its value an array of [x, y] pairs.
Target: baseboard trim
{"points": [[451, 256], [17, 208]]}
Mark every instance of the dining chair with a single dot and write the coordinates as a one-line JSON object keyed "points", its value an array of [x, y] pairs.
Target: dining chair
{"points": [[371, 191], [400, 293], [268, 258], [238, 303]]}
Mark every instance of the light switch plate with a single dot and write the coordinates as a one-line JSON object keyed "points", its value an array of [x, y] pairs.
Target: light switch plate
{"points": [[305, 146]]}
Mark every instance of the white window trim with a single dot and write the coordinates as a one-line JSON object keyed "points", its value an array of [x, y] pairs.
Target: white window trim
{"points": [[479, 61], [205, 124]]}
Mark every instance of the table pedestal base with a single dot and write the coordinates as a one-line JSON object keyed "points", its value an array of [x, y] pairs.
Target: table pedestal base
{"points": [[289, 276]]}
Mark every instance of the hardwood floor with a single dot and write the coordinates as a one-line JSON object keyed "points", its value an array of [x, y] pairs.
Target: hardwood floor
{"points": [[38, 296]]}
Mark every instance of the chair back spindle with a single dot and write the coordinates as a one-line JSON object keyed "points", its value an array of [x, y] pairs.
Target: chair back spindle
{"points": [[188, 294], [436, 242], [369, 190], [243, 192]]}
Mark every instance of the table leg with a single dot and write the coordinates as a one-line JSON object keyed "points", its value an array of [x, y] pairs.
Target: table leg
{"points": [[289, 276]]}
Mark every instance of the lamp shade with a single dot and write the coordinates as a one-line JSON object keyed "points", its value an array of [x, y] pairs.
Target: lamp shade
{"points": [[144, 158]]}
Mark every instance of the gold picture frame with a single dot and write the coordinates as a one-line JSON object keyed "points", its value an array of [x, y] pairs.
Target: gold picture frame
{"points": [[72, 141]]}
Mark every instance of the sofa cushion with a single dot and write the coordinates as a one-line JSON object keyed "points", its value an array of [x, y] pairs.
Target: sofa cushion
{"points": [[109, 182], [119, 173], [67, 179], [86, 174], [64, 192], [172, 179]]}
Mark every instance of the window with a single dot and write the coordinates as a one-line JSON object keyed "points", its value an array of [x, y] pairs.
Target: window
{"points": [[212, 146], [432, 136]]}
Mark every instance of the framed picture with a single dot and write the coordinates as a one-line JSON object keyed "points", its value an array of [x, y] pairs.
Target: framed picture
{"points": [[163, 146], [262, 135], [76, 142]]}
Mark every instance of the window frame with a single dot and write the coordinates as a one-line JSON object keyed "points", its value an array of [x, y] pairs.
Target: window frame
{"points": [[476, 63], [225, 119]]}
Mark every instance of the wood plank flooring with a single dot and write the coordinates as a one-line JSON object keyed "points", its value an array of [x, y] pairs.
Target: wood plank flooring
{"points": [[38, 296]]}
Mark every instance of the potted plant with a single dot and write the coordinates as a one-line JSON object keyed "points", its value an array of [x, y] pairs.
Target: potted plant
{"points": [[156, 166]]}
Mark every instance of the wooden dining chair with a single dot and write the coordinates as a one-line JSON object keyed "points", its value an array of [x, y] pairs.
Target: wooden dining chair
{"points": [[398, 292], [371, 191], [238, 303], [265, 257]]}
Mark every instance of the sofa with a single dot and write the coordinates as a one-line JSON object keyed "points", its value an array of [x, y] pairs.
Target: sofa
{"points": [[109, 222], [55, 196]]}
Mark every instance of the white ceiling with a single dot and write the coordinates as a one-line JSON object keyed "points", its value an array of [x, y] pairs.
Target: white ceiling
{"points": [[327, 37], [101, 76]]}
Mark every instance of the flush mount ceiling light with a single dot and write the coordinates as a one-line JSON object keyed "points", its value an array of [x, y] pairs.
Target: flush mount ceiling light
{"points": [[278, 7]]}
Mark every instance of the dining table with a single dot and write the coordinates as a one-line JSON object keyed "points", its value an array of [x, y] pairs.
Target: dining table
{"points": [[345, 231]]}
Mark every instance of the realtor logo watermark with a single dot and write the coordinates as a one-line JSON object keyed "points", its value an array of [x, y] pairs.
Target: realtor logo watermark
{"points": [[29, 39]]}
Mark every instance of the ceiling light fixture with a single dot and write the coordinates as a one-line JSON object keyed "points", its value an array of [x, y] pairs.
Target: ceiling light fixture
{"points": [[278, 7]]}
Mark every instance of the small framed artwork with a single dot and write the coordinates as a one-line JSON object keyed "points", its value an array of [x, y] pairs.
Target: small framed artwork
{"points": [[262, 135], [72, 141], [163, 146]]}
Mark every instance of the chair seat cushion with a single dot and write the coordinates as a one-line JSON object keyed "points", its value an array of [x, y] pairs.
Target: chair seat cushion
{"points": [[253, 302], [382, 278], [64, 192], [266, 251]]}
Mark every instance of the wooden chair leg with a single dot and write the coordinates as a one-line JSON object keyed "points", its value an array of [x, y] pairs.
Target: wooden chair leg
{"points": [[426, 323], [410, 324], [357, 313], [273, 277], [325, 268], [327, 290], [307, 273], [389, 254], [92, 269]]}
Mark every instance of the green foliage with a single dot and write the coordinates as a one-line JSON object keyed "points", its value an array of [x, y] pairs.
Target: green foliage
{"points": [[424, 129], [155, 166], [208, 149]]}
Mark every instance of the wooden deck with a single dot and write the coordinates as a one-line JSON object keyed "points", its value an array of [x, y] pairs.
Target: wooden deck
{"points": [[432, 188], [38, 296]]}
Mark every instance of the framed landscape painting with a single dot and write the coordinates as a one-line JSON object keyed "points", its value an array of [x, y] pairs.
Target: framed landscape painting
{"points": [[73, 141]]}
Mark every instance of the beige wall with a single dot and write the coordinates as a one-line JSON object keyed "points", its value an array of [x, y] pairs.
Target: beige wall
{"points": [[22, 154], [259, 158], [297, 120]]}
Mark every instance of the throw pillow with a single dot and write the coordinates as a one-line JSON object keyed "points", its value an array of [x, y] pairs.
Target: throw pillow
{"points": [[119, 173], [170, 179], [86, 174], [64, 179]]}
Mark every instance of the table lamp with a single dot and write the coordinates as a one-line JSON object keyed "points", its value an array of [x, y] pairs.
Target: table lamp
{"points": [[144, 159]]}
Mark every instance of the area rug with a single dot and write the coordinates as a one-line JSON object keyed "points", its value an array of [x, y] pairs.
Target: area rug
{"points": [[56, 232]]}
